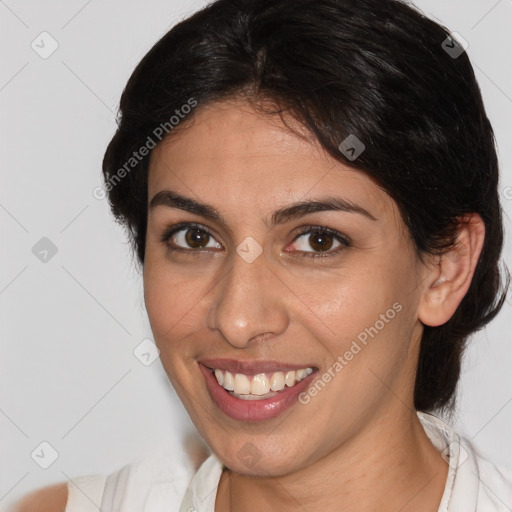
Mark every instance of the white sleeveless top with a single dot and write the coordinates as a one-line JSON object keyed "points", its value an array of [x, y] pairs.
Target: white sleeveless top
{"points": [[165, 482]]}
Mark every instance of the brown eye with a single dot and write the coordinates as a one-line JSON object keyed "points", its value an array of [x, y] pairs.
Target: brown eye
{"points": [[189, 237], [196, 238], [320, 240]]}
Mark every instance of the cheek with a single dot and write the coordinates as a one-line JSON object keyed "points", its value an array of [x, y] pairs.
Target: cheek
{"points": [[347, 301], [174, 308], [174, 302], [363, 312]]}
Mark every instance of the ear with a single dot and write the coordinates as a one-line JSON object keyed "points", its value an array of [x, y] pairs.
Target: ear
{"points": [[447, 285]]}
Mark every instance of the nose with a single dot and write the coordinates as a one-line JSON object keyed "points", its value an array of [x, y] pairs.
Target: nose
{"points": [[248, 304]]}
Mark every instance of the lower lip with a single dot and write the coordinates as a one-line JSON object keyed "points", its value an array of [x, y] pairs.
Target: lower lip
{"points": [[253, 410]]}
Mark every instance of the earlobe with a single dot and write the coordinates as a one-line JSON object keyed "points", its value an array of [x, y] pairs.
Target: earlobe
{"points": [[453, 272]]}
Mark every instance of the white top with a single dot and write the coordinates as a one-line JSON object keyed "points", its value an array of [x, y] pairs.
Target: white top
{"points": [[165, 482]]}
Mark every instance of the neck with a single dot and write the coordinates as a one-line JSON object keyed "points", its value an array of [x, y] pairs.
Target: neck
{"points": [[391, 467]]}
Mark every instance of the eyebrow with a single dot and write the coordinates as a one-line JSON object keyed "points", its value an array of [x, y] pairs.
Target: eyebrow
{"points": [[171, 199]]}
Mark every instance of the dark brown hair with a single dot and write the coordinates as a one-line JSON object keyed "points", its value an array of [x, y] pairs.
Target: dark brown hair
{"points": [[376, 69]]}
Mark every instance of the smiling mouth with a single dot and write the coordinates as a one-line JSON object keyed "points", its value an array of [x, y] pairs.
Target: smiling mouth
{"points": [[259, 386], [253, 391]]}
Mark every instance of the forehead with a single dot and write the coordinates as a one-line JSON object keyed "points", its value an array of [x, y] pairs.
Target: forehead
{"points": [[229, 152]]}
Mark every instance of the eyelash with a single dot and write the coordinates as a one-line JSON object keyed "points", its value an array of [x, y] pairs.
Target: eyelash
{"points": [[344, 240]]}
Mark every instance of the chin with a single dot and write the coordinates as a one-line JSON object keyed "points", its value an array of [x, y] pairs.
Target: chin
{"points": [[259, 458]]}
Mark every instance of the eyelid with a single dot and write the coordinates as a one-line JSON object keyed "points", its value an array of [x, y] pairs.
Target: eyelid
{"points": [[171, 230], [344, 240], [324, 229]]}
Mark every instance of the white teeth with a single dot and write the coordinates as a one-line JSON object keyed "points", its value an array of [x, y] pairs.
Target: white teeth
{"points": [[301, 374], [242, 384], [255, 397], [220, 376], [289, 378], [228, 382], [245, 387], [260, 384], [277, 381]]}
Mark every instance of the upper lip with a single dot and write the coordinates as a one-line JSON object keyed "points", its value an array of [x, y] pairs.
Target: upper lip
{"points": [[251, 367]]}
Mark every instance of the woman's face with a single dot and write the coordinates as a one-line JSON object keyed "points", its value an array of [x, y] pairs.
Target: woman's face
{"points": [[253, 292]]}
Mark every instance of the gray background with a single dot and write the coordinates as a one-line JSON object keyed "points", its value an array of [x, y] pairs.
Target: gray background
{"points": [[68, 375]]}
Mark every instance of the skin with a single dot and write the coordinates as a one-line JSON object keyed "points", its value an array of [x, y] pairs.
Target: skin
{"points": [[358, 444], [52, 498]]}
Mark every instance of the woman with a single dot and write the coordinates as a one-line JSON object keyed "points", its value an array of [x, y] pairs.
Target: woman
{"points": [[311, 188]]}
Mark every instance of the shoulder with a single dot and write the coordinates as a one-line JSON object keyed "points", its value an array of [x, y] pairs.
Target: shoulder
{"points": [[474, 482], [80, 494], [156, 475], [495, 485], [52, 498], [480, 482]]}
